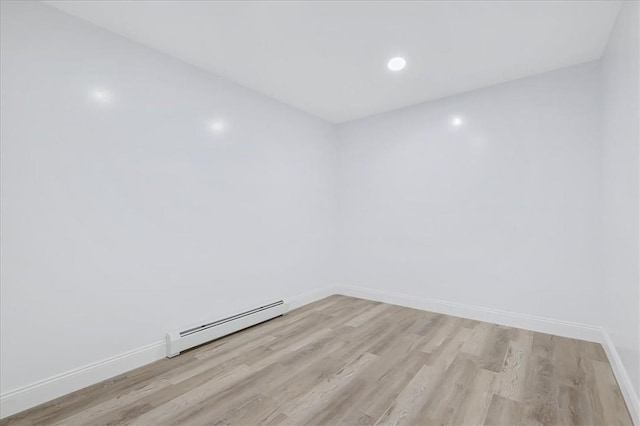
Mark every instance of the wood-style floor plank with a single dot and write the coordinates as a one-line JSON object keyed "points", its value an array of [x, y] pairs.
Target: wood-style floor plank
{"points": [[347, 361]]}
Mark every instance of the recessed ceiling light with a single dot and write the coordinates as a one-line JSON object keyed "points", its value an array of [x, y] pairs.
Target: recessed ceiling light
{"points": [[396, 64], [456, 121]]}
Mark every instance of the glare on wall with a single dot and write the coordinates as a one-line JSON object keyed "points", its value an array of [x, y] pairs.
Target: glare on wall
{"points": [[101, 95], [457, 121], [218, 126]]}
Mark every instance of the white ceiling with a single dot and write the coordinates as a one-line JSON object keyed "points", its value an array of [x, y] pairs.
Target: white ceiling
{"points": [[329, 58]]}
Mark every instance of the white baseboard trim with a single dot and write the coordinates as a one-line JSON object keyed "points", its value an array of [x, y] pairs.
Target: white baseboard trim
{"points": [[29, 396], [310, 297], [628, 392], [45, 390], [527, 322]]}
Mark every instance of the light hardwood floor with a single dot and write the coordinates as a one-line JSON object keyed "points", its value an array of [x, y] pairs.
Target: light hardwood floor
{"points": [[343, 360]]}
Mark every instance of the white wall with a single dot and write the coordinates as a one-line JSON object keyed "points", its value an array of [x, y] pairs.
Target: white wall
{"points": [[502, 212], [621, 136], [125, 220]]}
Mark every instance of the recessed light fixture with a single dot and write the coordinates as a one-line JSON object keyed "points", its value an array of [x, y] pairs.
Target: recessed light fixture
{"points": [[456, 121], [396, 64]]}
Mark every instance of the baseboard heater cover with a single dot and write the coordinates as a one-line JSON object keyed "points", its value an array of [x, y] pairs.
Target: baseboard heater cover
{"points": [[181, 340]]}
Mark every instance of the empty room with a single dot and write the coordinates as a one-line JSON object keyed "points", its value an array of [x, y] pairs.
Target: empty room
{"points": [[320, 212]]}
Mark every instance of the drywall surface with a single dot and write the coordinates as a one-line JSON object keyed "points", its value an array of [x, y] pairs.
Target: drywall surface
{"points": [[140, 194], [489, 199], [621, 136]]}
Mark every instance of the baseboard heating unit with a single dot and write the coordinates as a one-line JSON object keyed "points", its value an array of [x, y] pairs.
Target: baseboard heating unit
{"points": [[181, 340]]}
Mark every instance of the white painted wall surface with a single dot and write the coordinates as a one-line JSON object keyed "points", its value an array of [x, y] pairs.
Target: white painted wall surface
{"points": [[621, 137], [124, 220], [502, 212]]}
